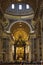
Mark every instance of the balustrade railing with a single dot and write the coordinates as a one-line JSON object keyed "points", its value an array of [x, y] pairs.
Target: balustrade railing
{"points": [[22, 63]]}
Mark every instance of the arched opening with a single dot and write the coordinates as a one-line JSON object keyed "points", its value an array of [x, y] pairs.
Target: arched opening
{"points": [[20, 32]]}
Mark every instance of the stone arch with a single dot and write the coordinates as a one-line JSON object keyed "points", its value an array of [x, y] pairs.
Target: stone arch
{"points": [[31, 31]]}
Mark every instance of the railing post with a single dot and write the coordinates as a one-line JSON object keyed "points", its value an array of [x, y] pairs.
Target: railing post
{"points": [[41, 62]]}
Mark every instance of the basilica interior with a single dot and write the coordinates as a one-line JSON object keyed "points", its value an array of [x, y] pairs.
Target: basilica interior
{"points": [[21, 30]]}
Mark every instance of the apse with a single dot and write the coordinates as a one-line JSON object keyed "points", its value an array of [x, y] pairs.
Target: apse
{"points": [[19, 9]]}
